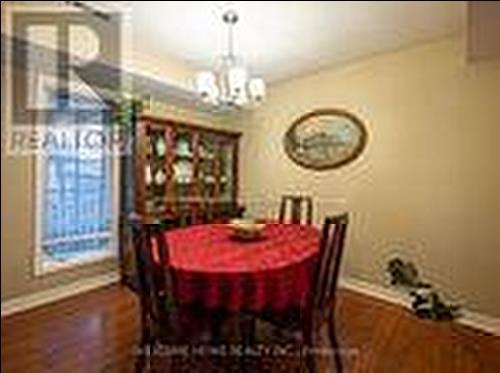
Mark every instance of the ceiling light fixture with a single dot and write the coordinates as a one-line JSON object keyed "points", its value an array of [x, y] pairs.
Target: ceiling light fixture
{"points": [[229, 85]]}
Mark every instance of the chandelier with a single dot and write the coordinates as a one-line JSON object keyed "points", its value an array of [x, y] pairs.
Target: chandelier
{"points": [[228, 85]]}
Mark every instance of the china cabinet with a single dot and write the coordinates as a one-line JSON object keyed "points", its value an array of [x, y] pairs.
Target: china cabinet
{"points": [[186, 173]]}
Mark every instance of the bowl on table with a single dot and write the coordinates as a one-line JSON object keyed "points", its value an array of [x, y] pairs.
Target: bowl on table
{"points": [[246, 229]]}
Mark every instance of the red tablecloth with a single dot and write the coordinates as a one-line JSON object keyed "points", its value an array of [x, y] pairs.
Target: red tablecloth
{"points": [[272, 273]]}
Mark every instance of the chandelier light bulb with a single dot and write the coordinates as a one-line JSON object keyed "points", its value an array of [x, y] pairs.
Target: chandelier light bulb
{"points": [[205, 84], [257, 89], [237, 80]]}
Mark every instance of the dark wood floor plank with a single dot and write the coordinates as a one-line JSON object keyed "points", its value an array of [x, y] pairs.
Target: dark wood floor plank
{"points": [[98, 332]]}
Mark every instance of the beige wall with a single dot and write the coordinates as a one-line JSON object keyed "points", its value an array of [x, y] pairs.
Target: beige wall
{"points": [[18, 185], [427, 186]]}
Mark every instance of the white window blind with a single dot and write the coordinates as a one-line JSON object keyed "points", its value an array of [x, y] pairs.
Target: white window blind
{"points": [[76, 185]]}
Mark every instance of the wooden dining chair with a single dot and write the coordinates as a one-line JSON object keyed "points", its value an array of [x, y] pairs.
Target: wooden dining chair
{"points": [[291, 209], [320, 305], [163, 320], [154, 284]]}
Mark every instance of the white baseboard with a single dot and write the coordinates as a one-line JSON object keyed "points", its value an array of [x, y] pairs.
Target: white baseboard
{"points": [[40, 298], [486, 323], [480, 321]]}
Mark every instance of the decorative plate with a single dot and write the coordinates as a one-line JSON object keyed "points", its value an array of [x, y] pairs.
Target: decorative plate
{"points": [[325, 139]]}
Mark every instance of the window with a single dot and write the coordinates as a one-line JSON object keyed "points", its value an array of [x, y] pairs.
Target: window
{"points": [[76, 187]]}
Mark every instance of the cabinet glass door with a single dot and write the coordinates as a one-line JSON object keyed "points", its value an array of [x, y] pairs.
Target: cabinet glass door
{"points": [[226, 174], [155, 173], [183, 166], [207, 158]]}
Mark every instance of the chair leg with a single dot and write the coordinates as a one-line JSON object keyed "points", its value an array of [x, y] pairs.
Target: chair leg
{"points": [[146, 345], [334, 344], [143, 357], [308, 338], [248, 337], [216, 322], [140, 363]]}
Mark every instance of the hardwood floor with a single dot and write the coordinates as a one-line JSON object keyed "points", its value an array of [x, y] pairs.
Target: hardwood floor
{"points": [[98, 332]]}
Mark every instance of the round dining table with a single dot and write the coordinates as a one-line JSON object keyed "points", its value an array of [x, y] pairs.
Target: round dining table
{"points": [[211, 267]]}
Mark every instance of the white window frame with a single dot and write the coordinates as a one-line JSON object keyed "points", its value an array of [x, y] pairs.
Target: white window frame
{"points": [[42, 264]]}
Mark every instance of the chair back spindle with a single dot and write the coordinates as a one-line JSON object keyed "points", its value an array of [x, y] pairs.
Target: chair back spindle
{"points": [[296, 204]]}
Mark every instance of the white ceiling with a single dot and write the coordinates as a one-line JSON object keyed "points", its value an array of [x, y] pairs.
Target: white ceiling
{"points": [[279, 39]]}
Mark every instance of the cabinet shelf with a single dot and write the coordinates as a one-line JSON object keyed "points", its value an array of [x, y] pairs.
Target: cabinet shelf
{"points": [[184, 156]]}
